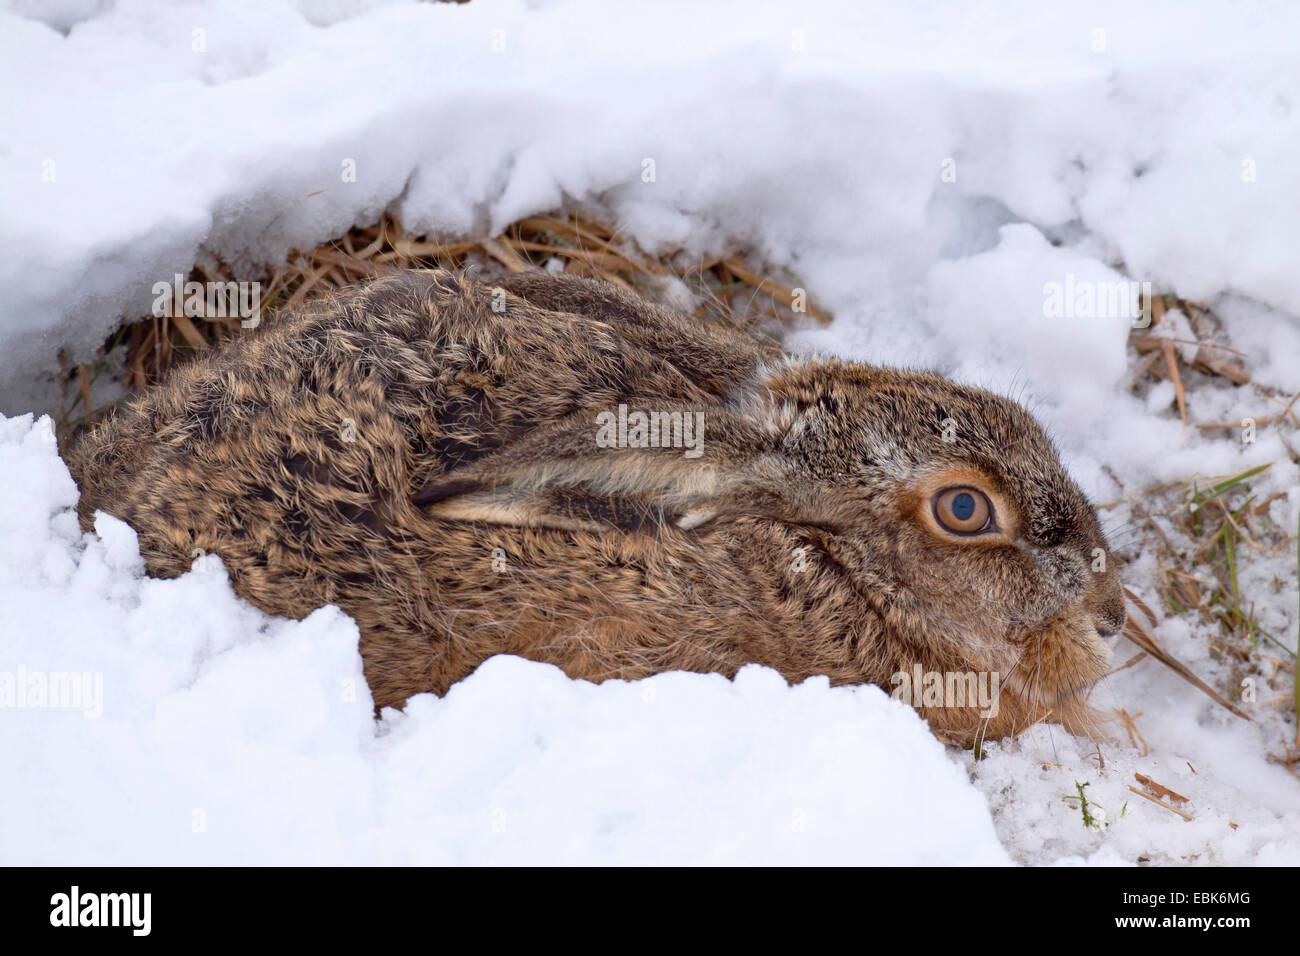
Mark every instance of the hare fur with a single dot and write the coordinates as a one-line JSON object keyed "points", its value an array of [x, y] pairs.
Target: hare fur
{"points": [[422, 452]]}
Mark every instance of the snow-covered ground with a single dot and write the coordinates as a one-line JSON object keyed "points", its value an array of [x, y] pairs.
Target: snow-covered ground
{"points": [[208, 733], [925, 173]]}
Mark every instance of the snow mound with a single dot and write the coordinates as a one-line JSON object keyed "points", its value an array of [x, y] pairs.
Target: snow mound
{"points": [[204, 731], [859, 143]]}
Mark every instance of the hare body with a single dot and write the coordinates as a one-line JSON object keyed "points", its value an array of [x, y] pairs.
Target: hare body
{"points": [[463, 468]]}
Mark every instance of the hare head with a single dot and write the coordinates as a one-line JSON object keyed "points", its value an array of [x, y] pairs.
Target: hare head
{"points": [[952, 501]]}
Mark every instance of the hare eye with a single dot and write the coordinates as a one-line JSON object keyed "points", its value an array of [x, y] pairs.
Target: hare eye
{"points": [[963, 510]]}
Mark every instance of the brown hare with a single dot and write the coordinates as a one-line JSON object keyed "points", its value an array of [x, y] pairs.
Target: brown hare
{"points": [[554, 468]]}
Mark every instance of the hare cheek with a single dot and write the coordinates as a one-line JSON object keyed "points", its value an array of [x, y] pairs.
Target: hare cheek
{"points": [[1069, 656], [1061, 579]]}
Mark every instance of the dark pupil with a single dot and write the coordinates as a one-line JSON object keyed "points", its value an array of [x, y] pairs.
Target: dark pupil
{"points": [[963, 506]]}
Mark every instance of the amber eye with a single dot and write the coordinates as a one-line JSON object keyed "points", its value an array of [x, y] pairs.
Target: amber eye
{"points": [[963, 510]]}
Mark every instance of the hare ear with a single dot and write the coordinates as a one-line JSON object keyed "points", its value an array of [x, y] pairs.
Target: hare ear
{"points": [[563, 478], [570, 506]]}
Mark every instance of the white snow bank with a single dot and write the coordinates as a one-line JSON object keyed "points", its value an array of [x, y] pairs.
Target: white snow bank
{"points": [[150, 131], [212, 733]]}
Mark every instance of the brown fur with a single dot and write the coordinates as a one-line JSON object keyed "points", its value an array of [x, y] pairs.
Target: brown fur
{"points": [[375, 449]]}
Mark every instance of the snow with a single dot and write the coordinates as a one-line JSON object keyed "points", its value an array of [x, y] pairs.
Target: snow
{"points": [[925, 172], [223, 736]]}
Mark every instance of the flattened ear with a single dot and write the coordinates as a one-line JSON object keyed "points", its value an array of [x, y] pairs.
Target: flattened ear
{"points": [[561, 505], [564, 478]]}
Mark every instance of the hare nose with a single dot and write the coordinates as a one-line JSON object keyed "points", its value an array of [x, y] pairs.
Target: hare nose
{"points": [[1109, 616], [1106, 602]]}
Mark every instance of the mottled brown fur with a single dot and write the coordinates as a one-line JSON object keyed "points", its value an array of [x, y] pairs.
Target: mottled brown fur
{"points": [[420, 451]]}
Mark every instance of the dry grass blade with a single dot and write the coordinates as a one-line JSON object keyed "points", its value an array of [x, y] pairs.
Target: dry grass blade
{"points": [[1286, 409], [1145, 365], [1142, 638], [1160, 803], [1130, 725], [507, 257], [83, 376], [1131, 662], [598, 241], [1207, 356], [300, 293], [407, 249], [1159, 789], [189, 331], [777, 291], [601, 260], [1171, 360], [1141, 605], [1259, 422], [354, 264]]}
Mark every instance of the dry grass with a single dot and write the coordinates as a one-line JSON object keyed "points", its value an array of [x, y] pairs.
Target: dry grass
{"points": [[1207, 529]]}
